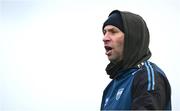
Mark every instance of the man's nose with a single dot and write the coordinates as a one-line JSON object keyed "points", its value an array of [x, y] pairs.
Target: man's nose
{"points": [[106, 38]]}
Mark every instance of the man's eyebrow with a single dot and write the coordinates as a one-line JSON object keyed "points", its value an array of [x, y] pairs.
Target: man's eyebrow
{"points": [[111, 30]]}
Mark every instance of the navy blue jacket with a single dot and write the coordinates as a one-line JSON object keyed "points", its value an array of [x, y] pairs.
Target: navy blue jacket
{"points": [[144, 87]]}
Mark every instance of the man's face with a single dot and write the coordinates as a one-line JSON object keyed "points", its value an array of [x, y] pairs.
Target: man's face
{"points": [[113, 43]]}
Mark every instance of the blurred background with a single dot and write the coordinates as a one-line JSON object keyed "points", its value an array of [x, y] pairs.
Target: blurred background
{"points": [[52, 56]]}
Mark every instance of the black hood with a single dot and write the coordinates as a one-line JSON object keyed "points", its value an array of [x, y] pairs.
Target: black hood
{"points": [[136, 43]]}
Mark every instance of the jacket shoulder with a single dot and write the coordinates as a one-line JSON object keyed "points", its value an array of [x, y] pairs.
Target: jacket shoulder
{"points": [[150, 89]]}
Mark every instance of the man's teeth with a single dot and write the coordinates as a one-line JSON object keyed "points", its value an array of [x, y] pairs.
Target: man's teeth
{"points": [[108, 48]]}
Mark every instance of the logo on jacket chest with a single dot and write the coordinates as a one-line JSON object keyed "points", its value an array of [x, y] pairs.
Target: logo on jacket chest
{"points": [[119, 93]]}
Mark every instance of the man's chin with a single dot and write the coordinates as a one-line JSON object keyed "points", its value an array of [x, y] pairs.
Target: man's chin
{"points": [[113, 60]]}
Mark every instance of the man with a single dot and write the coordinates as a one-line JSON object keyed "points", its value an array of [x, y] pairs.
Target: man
{"points": [[137, 83]]}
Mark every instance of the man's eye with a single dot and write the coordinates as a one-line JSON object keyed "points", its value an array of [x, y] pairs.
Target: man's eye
{"points": [[113, 31]]}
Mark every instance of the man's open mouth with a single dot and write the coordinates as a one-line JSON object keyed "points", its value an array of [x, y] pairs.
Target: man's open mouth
{"points": [[108, 50]]}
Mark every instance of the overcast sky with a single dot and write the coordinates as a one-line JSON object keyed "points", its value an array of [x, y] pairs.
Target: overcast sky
{"points": [[52, 56]]}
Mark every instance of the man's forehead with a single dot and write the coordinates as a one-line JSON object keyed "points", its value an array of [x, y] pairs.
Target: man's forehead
{"points": [[110, 27]]}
